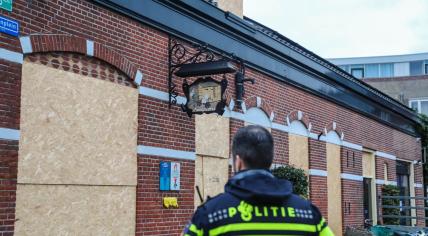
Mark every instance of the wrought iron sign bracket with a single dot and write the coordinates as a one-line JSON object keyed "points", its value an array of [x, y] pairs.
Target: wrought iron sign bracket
{"points": [[205, 95], [193, 60]]}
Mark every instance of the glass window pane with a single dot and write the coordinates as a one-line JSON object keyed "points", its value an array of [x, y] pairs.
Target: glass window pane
{"points": [[416, 67], [371, 71], [424, 107], [426, 68], [386, 70], [414, 105], [345, 68], [357, 72]]}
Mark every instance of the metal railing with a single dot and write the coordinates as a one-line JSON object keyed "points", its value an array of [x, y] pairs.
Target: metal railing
{"points": [[404, 207]]}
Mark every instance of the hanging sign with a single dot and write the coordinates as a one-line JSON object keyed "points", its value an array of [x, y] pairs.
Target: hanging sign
{"points": [[169, 176], [205, 95], [6, 4], [9, 26]]}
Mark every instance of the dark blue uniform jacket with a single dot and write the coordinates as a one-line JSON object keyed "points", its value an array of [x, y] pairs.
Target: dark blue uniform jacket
{"points": [[257, 203]]}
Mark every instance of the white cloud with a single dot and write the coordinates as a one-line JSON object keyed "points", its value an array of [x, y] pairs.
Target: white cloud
{"points": [[347, 28]]}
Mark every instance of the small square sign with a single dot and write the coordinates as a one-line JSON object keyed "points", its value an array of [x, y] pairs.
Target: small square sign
{"points": [[6, 4], [175, 176]]}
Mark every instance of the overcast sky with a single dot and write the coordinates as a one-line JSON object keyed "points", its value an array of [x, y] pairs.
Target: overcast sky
{"points": [[347, 28]]}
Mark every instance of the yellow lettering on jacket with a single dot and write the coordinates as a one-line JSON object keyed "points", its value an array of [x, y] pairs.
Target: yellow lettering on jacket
{"points": [[291, 212], [274, 211], [257, 212], [232, 212]]}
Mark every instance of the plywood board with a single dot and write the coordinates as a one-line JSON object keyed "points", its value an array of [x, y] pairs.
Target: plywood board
{"points": [[199, 179], [298, 151], [76, 129], [368, 162], [215, 175], [334, 191], [211, 174], [75, 210], [212, 135]]}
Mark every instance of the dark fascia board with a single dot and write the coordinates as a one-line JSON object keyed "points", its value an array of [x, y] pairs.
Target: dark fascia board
{"points": [[196, 21]]}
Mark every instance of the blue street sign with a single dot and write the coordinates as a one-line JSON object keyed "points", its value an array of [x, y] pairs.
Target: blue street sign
{"points": [[9, 26]]}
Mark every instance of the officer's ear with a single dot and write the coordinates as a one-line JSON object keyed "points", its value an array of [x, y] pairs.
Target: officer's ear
{"points": [[238, 164]]}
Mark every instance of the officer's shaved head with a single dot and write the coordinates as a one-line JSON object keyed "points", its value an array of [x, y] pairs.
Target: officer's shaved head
{"points": [[254, 145]]}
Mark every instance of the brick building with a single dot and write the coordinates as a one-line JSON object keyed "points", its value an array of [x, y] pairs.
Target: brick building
{"points": [[86, 120]]}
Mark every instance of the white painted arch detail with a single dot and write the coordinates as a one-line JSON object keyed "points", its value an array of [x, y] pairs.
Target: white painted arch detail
{"points": [[257, 116], [332, 137], [297, 127]]}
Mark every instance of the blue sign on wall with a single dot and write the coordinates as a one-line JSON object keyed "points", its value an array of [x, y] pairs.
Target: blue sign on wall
{"points": [[165, 176], [9, 26]]}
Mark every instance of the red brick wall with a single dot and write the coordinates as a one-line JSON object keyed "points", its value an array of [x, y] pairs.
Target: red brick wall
{"points": [[318, 184], [352, 191], [82, 65], [160, 126], [380, 173], [351, 161], [318, 193], [8, 178], [152, 217], [352, 203], [317, 155], [280, 146], [419, 192], [10, 94]]}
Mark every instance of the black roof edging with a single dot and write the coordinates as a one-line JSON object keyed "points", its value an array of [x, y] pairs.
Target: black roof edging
{"points": [[233, 29]]}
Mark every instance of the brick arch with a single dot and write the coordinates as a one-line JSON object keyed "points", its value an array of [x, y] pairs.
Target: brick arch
{"points": [[299, 116], [258, 102], [67, 43], [332, 126]]}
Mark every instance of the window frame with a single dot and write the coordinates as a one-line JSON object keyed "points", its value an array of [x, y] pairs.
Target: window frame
{"points": [[418, 100], [425, 65], [358, 68]]}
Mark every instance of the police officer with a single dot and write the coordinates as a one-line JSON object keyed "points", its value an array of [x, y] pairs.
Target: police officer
{"points": [[254, 201]]}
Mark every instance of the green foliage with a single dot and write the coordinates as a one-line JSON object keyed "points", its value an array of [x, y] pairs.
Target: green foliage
{"points": [[296, 176], [391, 190]]}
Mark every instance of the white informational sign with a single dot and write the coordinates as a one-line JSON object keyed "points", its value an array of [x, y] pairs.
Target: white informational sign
{"points": [[175, 176]]}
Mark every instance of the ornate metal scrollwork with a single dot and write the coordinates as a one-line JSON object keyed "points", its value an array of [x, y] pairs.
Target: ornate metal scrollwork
{"points": [[178, 55]]}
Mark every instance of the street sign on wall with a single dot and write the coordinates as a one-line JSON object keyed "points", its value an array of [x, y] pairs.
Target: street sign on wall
{"points": [[9, 26], [6, 4]]}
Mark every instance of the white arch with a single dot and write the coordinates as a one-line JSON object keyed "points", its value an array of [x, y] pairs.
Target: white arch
{"points": [[297, 127], [257, 116], [333, 137]]}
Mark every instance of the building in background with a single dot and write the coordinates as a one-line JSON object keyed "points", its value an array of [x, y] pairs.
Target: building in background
{"points": [[403, 77]]}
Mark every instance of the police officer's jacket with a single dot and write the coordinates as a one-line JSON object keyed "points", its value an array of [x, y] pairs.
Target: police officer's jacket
{"points": [[257, 203]]}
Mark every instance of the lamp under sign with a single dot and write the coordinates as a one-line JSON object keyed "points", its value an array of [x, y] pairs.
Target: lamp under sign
{"points": [[205, 95]]}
